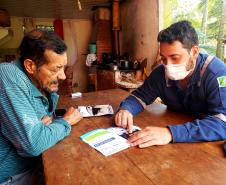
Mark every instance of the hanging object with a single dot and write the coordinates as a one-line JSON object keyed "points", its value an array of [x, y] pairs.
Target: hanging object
{"points": [[58, 28], [90, 58], [71, 39], [29, 24], [79, 5], [4, 18]]}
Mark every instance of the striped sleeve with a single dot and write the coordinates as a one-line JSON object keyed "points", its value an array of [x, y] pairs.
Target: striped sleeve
{"points": [[22, 127]]}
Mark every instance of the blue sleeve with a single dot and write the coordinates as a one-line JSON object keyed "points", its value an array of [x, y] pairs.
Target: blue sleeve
{"points": [[147, 93], [22, 127], [152, 86], [132, 105], [210, 128]]}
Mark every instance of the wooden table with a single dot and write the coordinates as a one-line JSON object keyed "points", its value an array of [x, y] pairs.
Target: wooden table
{"points": [[72, 162]]}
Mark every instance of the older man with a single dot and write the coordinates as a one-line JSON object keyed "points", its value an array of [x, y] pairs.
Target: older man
{"points": [[28, 99], [186, 81]]}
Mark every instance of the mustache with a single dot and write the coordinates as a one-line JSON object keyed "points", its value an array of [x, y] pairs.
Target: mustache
{"points": [[56, 82]]}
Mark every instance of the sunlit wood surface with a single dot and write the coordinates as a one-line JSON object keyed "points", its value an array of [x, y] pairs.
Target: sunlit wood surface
{"points": [[72, 162]]}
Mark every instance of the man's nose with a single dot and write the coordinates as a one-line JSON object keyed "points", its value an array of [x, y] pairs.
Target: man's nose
{"points": [[61, 75]]}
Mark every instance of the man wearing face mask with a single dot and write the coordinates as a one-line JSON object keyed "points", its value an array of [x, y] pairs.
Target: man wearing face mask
{"points": [[186, 81], [28, 100]]}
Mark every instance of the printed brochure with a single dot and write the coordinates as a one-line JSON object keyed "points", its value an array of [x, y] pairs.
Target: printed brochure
{"points": [[108, 141]]}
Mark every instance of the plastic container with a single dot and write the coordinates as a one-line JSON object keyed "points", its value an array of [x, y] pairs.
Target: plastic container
{"points": [[92, 48]]}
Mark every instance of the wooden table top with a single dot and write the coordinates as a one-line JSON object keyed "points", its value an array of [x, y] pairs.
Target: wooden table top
{"points": [[72, 161]]}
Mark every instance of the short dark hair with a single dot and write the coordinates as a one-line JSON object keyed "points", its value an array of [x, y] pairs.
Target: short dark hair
{"points": [[36, 42], [182, 31]]}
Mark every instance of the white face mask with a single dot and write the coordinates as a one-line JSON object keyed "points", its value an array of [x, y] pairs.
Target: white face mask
{"points": [[177, 71]]}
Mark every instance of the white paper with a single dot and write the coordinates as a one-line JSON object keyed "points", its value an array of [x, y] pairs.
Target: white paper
{"points": [[76, 95], [96, 110], [108, 141]]}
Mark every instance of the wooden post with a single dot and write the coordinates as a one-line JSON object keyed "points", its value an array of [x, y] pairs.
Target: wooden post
{"points": [[116, 26]]}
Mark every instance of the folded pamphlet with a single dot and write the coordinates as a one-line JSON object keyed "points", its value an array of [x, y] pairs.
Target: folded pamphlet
{"points": [[108, 141], [95, 110]]}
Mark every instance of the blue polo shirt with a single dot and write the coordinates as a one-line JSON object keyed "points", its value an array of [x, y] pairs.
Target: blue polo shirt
{"points": [[205, 97], [22, 134]]}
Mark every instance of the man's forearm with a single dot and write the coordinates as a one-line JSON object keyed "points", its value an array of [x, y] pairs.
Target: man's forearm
{"points": [[132, 104], [208, 129]]}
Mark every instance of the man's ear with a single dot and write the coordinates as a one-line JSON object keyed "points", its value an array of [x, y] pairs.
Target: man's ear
{"points": [[195, 51], [30, 66]]}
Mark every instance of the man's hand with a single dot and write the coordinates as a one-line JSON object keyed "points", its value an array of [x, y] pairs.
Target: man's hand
{"points": [[47, 120], [72, 116], [151, 136], [124, 119]]}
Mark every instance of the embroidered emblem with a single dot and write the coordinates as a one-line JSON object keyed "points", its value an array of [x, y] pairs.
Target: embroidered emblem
{"points": [[222, 81]]}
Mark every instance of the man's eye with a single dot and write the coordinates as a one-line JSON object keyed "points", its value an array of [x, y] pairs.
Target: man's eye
{"points": [[174, 59], [54, 71]]}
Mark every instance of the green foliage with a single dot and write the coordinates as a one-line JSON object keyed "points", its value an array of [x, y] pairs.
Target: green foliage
{"points": [[193, 11]]}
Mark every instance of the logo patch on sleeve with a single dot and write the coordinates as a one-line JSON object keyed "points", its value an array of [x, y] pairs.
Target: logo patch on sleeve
{"points": [[222, 81]]}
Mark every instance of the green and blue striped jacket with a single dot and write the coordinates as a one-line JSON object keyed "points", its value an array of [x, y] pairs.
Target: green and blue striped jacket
{"points": [[22, 134]]}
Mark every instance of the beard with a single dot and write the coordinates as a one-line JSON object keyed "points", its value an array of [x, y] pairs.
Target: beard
{"points": [[190, 64], [49, 89]]}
